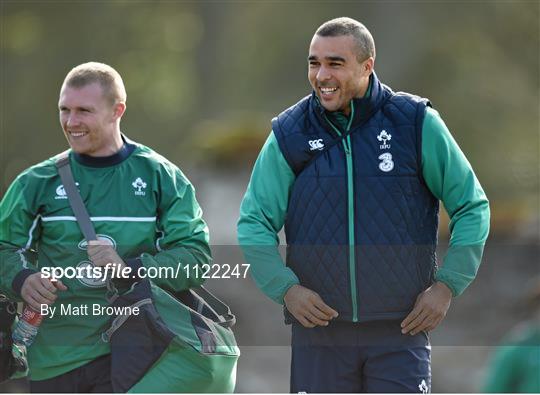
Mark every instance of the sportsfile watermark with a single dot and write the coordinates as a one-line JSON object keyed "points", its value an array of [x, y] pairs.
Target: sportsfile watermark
{"points": [[487, 310], [90, 272]]}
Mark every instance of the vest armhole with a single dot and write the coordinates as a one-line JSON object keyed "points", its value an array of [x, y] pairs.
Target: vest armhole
{"points": [[421, 110], [282, 146]]}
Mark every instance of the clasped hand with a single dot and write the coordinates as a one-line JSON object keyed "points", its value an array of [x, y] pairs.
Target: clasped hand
{"points": [[101, 253], [38, 290], [308, 307], [429, 310]]}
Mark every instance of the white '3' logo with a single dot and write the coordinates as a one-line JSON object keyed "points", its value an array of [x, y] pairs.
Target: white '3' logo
{"points": [[387, 164]]}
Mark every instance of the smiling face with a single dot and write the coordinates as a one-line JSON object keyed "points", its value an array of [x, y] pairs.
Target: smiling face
{"points": [[335, 73], [91, 123]]}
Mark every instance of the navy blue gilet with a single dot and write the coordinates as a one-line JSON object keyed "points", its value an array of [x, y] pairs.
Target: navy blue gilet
{"points": [[395, 216]]}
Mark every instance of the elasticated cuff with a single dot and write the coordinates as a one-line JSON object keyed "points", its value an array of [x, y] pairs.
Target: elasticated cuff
{"points": [[443, 278], [134, 264], [19, 279]]}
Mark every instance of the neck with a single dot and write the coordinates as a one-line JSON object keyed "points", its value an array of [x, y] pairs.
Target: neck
{"points": [[363, 88], [117, 142], [109, 160], [115, 145], [362, 92]]}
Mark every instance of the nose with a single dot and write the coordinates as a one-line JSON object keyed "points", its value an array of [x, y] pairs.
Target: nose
{"points": [[71, 119], [323, 74]]}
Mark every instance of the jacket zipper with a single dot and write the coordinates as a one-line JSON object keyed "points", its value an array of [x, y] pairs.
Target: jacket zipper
{"points": [[350, 208]]}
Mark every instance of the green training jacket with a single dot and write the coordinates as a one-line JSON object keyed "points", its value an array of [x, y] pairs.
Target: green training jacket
{"points": [[138, 201]]}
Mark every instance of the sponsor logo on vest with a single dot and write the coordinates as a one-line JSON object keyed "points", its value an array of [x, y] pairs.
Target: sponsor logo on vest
{"points": [[139, 185], [83, 244], [383, 137], [88, 276], [423, 387], [387, 164], [316, 144], [61, 192]]}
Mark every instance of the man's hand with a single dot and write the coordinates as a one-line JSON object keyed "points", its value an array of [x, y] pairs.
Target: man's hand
{"points": [[429, 310], [101, 253], [308, 307], [37, 290]]}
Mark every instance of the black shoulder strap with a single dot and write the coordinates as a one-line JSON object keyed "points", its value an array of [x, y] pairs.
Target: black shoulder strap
{"points": [[79, 209], [74, 198]]}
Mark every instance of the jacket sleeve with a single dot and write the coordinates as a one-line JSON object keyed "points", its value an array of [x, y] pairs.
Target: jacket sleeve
{"points": [[19, 232], [183, 234], [262, 215], [451, 179]]}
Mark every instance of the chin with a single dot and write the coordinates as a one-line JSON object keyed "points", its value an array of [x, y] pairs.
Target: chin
{"points": [[79, 150], [331, 108]]}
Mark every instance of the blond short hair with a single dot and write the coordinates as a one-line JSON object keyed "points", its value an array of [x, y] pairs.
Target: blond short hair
{"points": [[91, 72]]}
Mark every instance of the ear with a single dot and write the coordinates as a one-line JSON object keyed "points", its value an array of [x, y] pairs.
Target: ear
{"points": [[119, 110], [369, 64]]}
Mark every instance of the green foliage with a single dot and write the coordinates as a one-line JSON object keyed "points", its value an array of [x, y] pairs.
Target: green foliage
{"points": [[186, 62], [230, 143]]}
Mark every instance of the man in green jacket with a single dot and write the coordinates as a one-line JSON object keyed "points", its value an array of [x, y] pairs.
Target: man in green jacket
{"points": [[515, 364], [354, 172], [145, 215]]}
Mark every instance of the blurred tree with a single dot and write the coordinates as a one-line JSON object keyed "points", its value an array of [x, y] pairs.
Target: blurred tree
{"points": [[188, 65]]}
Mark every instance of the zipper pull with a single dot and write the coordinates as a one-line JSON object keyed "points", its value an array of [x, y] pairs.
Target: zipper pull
{"points": [[347, 145]]}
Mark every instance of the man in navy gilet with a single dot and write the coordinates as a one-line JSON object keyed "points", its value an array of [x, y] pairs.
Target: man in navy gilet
{"points": [[354, 172]]}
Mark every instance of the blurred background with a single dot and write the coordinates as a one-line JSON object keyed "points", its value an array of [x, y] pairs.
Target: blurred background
{"points": [[204, 80]]}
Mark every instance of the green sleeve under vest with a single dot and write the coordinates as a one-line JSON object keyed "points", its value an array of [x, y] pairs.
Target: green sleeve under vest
{"points": [[451, 179], [262, 215]]}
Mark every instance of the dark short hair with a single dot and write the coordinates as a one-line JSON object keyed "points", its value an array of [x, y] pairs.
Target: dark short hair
{"points": [[345, 26], [109, 79]]}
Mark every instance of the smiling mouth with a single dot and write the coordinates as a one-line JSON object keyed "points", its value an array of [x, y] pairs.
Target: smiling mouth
{"points": [[77, 134], [327, 92]]}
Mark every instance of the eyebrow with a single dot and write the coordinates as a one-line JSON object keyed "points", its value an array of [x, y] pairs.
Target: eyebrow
{"points": [[330, 58], [79, 108]]}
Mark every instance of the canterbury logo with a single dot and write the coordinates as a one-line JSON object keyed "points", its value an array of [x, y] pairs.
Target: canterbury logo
{"points": [[61, 192], [316, 144]]}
